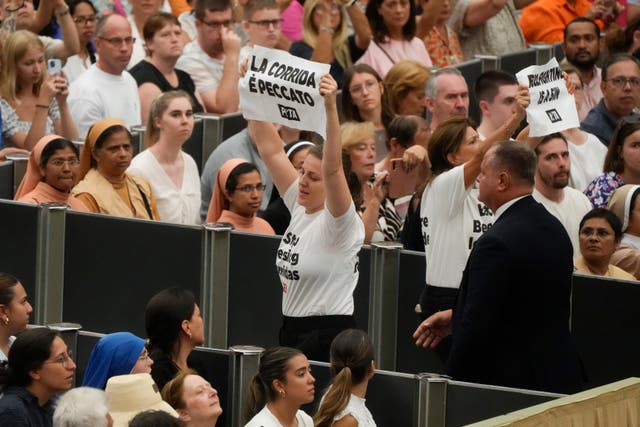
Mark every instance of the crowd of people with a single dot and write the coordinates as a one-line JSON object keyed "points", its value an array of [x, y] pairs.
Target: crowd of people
{"points": [[443, 186]]}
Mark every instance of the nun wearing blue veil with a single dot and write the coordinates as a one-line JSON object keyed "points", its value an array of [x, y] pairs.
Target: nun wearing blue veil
{"points": [[120, 353]]}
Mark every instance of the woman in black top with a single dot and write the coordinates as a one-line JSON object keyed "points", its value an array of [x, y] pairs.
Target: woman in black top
{"points": [[157, 73]]}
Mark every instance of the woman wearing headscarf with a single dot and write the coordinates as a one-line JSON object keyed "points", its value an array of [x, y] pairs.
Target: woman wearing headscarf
{"points": [[51, 173], [237, 196], [105, 185], [120, 353]]}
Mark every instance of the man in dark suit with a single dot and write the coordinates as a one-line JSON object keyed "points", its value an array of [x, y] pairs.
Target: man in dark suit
{"points": [[511, 321]]}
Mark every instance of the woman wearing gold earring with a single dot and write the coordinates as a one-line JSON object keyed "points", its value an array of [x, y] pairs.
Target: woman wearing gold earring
{"points": [[14, 312], [282, 385]]}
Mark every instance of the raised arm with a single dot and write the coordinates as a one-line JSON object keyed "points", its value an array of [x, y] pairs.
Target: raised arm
{"points": [[360, 23], [70, 42], [338, 197], [472, 167], [480, 11], [270, 148]]}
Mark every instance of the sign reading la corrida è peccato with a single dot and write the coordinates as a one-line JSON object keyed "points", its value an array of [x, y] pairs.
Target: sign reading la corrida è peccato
{"points": [[282, 88]]}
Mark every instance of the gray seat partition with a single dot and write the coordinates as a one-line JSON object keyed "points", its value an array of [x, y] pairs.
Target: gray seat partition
{"points": [[471, 70], [6, 180], [255, 292], [19, 251], [604, 323], [411, 282], [193, 145], [114, 265], [468, 403], [514, 62]]}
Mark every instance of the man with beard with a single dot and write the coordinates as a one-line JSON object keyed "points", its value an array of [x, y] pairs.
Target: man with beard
{"points": [[621, 94], [447, 96], [581, 47], [552, 177], [212, 58]]}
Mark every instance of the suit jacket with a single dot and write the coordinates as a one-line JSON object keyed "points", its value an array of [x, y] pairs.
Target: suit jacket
{"points": [[511, 321]]}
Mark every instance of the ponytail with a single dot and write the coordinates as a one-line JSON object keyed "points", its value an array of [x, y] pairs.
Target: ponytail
{"points": [[335, 399], [258, 394]]}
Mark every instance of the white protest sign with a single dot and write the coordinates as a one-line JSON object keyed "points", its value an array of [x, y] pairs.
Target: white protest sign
{"points": [[552, 108], [282, 88]]}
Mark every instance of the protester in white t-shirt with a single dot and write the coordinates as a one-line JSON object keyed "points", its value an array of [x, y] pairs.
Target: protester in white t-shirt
{"points": [[452, 216], [317, 260]]}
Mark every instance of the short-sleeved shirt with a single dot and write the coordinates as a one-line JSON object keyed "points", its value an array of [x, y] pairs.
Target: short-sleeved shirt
{"points": [[205, 71], [453, 219], [317, 260], [146, 72]]}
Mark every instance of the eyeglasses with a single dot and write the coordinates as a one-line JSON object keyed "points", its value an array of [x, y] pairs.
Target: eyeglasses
{"points": [[85, 20], [9, 9], [265, 24], [118, 41], [217, 25], [368, 85], [249, 188], [66, 360], [61, 162], [620, 82]]}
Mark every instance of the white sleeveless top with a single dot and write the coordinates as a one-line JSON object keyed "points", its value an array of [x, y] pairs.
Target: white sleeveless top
{"points": [[358, 410]]}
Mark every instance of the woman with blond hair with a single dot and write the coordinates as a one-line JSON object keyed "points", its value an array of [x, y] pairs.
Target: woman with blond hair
{"points": [[33, 103], [351, 366], [172, 173], [404, 88], [325, 38]]}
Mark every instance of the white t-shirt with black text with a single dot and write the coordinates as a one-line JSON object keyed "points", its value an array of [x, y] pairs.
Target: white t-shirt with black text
{"points": [[452, 220], [317, 260]]}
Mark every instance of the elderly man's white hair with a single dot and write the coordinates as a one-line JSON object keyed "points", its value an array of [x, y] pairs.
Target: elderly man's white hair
{"points": [[81, 407]]}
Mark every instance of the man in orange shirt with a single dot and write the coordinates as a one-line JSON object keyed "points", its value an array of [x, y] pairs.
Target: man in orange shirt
{"points": [[545, 20]]}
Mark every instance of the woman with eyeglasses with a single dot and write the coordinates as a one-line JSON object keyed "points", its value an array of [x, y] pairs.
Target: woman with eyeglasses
{"points": [[52, 171], [105, 186], [172, 173], [84, 14], [393, 23], [237, 197], [157, 72], [120, 353], [621, 164], [39, 368], [14, 312], [33, 102], [325, 38]]}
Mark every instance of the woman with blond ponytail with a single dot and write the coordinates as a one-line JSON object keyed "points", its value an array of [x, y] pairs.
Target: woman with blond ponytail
{"points": [[352, 366]]}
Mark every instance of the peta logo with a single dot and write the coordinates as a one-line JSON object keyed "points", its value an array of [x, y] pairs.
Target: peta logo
{"points": [[288, 113], [553, 115]]}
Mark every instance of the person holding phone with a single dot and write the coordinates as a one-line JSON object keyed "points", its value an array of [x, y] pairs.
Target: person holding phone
{"points": [[34, 101]]}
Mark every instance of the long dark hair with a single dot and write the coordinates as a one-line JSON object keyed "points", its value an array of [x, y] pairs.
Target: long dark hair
{"points": [[274, 363], [7, 288], [163, 318], [613, 161], [379, 28], [91, 49]]}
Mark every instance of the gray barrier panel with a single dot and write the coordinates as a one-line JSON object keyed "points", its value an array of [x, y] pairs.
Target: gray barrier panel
{"points": [[113, 266], [514, 62], [6, 180], [231, 124], [604, 323], [193, 145], [468, 403], [18, 253], [255, 292], [409, 357], [471, 70], [557, 50]]}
